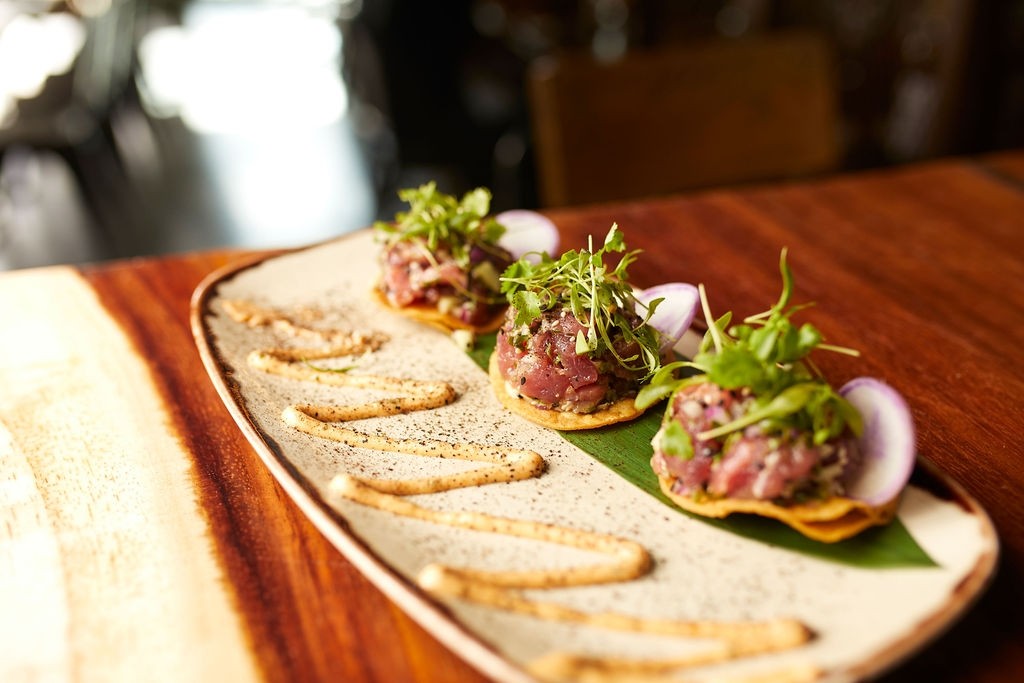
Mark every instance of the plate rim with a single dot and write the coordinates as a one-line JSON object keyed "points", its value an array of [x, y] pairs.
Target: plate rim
{"points": [[443, 624], [430, 614]]}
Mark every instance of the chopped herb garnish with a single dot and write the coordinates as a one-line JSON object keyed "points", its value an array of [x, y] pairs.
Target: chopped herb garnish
{"points": [[436, 219], [676, 441], [767, 355], [320, 368], [601, 300]]}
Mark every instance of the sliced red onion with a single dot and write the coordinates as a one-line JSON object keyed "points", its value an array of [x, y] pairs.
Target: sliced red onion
{"points": [[674, 315], [527, 231], [887, 442]]}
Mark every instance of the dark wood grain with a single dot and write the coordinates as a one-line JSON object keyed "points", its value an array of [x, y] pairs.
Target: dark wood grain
{"points": [[310, 615], [919, 268]]}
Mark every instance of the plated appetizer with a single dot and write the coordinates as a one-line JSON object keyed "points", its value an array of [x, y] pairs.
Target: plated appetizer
{"points": [[442, 258], [758, 430], [578, 342]]}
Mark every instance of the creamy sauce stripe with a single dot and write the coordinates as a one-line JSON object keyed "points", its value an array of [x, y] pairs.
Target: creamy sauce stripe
{"points": [[627, 560]]}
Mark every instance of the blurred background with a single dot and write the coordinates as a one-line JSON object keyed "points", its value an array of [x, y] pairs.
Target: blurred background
{"points": [[140, 127]]}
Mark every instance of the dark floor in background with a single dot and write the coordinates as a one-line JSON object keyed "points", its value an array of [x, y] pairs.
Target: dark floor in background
{"points": [[182, 191]]}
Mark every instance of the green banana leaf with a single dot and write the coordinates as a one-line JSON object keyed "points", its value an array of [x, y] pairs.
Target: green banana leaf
{"points": [[626, 449]]}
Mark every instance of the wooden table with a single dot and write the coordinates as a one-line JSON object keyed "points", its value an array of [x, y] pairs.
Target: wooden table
{"points": [[142, 539]]}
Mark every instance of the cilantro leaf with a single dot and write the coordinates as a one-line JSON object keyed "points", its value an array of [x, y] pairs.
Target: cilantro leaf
{"points": [[766, 355], [676, 441]]}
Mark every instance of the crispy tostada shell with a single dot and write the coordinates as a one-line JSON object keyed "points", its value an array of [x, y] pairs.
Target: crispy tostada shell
{"points": [[622, 410], [432, 316], [830, 520]]}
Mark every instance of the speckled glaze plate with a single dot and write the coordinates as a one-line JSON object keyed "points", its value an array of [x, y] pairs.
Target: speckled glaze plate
{"points": [[865, 620]]}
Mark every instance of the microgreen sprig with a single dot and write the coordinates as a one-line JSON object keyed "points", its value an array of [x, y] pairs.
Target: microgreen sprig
{"points": [[600, 299], [437, 219], [766, 354]]}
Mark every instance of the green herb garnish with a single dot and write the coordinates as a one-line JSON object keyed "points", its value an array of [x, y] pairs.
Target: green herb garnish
{"points": [[766, 354], [676, 441], [600, 299], [320, 368], [625, 448], [436, 219]]}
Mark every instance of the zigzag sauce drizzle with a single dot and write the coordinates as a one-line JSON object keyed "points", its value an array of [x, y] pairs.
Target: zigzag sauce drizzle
{"points": [[628, 560]]}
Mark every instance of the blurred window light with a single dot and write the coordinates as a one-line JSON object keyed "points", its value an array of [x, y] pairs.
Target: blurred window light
{"points": [[261, 84], [90, 8], [32, 49], [240, 67], [305, 188]]}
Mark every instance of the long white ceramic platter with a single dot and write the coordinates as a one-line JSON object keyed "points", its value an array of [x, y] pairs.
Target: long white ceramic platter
{"points": [[865, 620]]}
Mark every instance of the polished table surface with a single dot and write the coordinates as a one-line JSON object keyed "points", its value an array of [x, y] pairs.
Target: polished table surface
{"points": [[142, 539]]}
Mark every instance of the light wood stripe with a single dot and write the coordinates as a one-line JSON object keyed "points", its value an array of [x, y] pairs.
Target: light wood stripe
{"points": [[107, 567]]}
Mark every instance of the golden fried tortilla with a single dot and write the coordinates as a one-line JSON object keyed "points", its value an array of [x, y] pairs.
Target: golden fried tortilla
{"points": [[622, 410], [431, 316], [828, 521]]}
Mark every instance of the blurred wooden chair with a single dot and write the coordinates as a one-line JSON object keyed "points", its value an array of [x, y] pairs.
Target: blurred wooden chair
{"points": [[715, 113]]}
